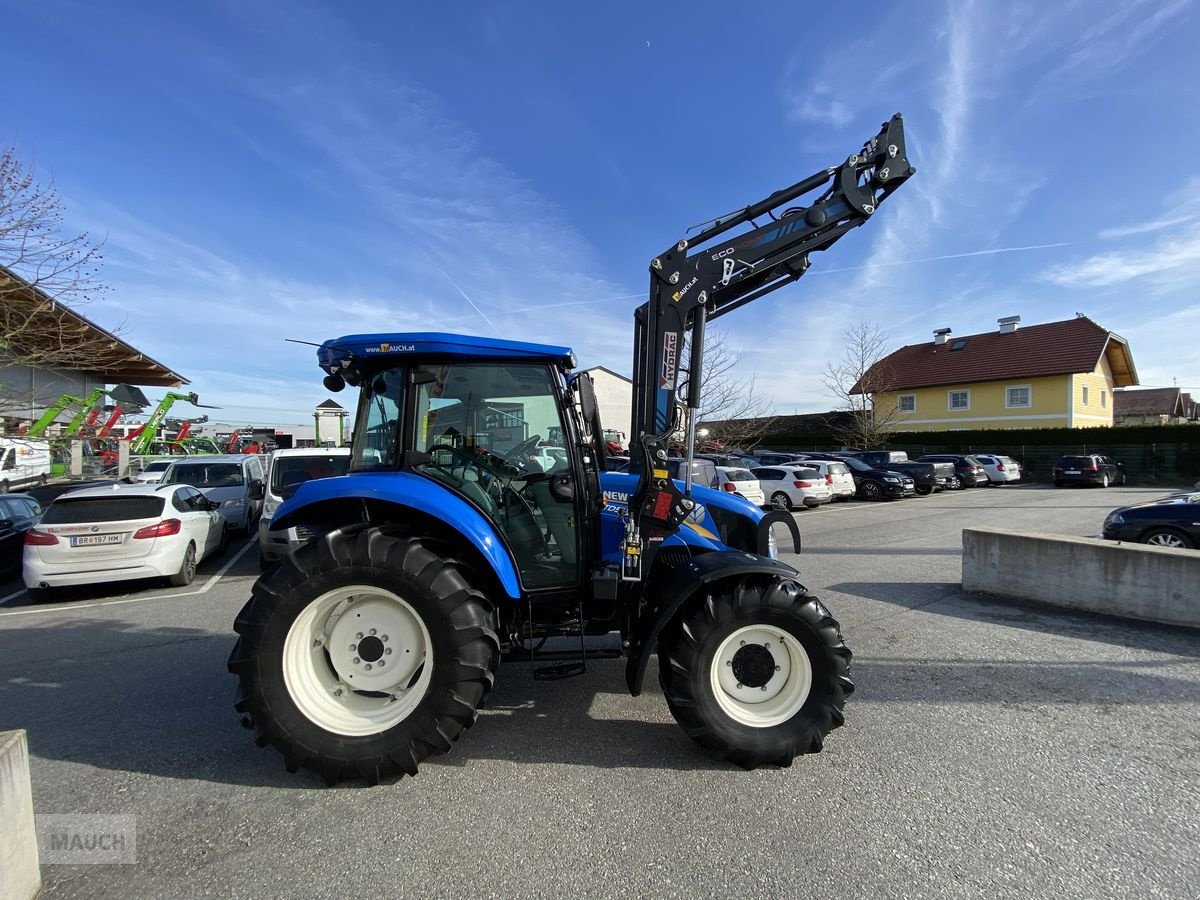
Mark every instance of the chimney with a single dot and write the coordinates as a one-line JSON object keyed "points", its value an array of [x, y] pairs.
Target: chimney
{"points": [[1009, 324], [941, 336]]}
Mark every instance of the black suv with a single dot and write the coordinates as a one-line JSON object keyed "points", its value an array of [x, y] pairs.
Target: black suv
{"points": [[876, 484], [1090, 469], [968, 471]]}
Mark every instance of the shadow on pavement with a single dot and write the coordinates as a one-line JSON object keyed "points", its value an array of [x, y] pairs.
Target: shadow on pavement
{"points": [[160, 701], [948, 599]]}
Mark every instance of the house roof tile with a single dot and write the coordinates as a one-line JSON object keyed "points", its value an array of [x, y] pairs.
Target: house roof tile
{"points": [[1054, 348]]}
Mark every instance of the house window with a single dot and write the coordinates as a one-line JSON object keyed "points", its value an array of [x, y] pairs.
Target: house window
{"points": [[1018, 396], [959, 400], [1085, 395], [906, 403], [1104, 399]]}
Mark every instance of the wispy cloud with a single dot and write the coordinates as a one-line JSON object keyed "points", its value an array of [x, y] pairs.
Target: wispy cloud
{"points": [[1113, 40], [1177, 256], [816, 104]]}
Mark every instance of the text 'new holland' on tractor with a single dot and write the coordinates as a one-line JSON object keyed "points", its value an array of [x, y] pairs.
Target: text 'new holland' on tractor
{"points": [[464, 533]]}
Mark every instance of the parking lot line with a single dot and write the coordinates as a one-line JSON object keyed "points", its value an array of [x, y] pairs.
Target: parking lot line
{"points": [[70, 607]]}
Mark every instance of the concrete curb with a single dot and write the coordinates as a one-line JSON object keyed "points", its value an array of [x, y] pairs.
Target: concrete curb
{"points": [[1135, 581], [20, 877]]}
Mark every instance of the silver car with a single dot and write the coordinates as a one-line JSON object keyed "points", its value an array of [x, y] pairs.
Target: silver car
{"points": [[235, 482]]}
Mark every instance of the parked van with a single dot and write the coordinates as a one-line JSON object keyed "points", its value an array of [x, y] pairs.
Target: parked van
{"points": [[286, 471], [23, 462], [235, 482]]}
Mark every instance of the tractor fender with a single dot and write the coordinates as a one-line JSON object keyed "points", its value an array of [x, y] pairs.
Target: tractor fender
{"points": [[682, 583], [402, 489]]}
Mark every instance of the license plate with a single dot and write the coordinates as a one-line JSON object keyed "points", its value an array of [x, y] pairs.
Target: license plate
{"points": [[90, 540], [1072, 472]]}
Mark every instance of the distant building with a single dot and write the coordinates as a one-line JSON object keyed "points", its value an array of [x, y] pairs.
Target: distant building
{"points": [[1055, 375], [1155, 406], [614, 397]]}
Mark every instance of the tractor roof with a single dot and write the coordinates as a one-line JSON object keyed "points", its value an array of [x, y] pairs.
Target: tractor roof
{"points": [[357, 349]]}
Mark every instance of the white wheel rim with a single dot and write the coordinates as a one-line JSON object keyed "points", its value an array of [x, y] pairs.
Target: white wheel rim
{"points": [[358, 660], [737, 676], [1166, 540]]}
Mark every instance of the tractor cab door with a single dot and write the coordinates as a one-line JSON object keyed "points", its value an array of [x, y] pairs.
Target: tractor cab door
{"points": [[495, 433]]}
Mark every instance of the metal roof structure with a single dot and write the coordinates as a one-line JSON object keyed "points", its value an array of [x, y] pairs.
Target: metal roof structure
{"points": [[49, 322]]}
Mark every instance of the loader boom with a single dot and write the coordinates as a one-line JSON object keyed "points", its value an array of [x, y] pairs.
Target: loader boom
{"points": [[713, 273]]}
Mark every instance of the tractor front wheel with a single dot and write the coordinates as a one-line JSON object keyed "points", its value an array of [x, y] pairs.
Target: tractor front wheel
{"points": [[363, 653], [757, 673]]}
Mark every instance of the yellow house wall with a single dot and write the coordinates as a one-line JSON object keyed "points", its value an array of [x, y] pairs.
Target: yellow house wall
{"points": [[1048, 398], [1098, 410]]}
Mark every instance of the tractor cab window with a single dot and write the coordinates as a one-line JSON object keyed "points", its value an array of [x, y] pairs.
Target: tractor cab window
{"points": [[377, 432], [495, 434]]}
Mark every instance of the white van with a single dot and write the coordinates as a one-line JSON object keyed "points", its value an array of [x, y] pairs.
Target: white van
{"points": [[23, 463], [286, 471]]}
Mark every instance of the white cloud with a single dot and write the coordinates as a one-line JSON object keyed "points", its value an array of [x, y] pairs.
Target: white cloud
{"points": [[1178, 257]]}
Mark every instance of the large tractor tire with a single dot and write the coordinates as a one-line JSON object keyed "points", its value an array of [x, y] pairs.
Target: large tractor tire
{"points": [[363, 653], [757, 673]]}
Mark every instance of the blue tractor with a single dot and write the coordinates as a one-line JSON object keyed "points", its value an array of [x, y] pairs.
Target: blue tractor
{"points": [[478, 520]]}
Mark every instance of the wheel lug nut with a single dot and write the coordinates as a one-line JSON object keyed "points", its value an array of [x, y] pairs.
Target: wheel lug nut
{"points": [[388, 651], [729, 662], [353, 647], [368, 668], [359, 636], [382, 663], [739, 687], [356, 660], [777, 668], [741, 643], [372, 631], [764, 687], [383, 638]]}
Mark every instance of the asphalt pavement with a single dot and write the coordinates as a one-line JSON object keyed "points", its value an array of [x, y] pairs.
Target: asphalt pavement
{"points": [[990, 750]]}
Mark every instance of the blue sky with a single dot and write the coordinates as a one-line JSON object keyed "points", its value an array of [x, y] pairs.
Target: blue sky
{"points": [[262, 171]]}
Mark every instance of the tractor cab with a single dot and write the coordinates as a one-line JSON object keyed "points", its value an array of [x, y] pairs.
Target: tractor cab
{"points": [[497, 423]]}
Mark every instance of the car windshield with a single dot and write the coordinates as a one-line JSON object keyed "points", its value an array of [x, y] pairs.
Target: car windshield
{"points": [[205, 475], [289, 472], [857, 464], [77, 510], [161, 466]]}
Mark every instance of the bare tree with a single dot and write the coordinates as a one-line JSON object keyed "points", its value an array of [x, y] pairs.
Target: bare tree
{"points": [[863, 382], [731, 409], [44, 273]]}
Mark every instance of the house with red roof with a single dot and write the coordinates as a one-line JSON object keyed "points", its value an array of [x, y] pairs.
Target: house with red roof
{"points": [[1055, 375]]}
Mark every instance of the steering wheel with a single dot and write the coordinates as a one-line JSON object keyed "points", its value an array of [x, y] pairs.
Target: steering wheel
{"points": [[519, 455]]}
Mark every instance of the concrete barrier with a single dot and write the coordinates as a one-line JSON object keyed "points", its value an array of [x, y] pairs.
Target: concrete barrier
{"points": [[1136, 581], [20, 877]]}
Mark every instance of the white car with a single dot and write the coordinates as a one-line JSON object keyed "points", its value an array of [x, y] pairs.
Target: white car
{"points": [[786, 487], [837, 476], [121, 532], [153, 471], [286, 471], [741, 482], [1000, 469]]}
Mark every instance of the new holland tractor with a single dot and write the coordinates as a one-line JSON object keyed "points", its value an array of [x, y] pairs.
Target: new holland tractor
{"points": [[478, 521]]}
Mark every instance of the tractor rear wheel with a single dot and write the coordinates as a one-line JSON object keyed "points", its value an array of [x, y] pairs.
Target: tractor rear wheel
{"points": [[757, 673], [363, 653]]}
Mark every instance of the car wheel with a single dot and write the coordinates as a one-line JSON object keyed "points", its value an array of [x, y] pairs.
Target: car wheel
{"points": [[223, 544], [781, 501], [1104, 480], [1167, 537], [871, 491], [187, 570], [955, 483], [1121, 480], [925, 490]]}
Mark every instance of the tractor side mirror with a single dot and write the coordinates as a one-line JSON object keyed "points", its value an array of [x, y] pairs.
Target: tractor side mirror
{"points": [[585, 393]]}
